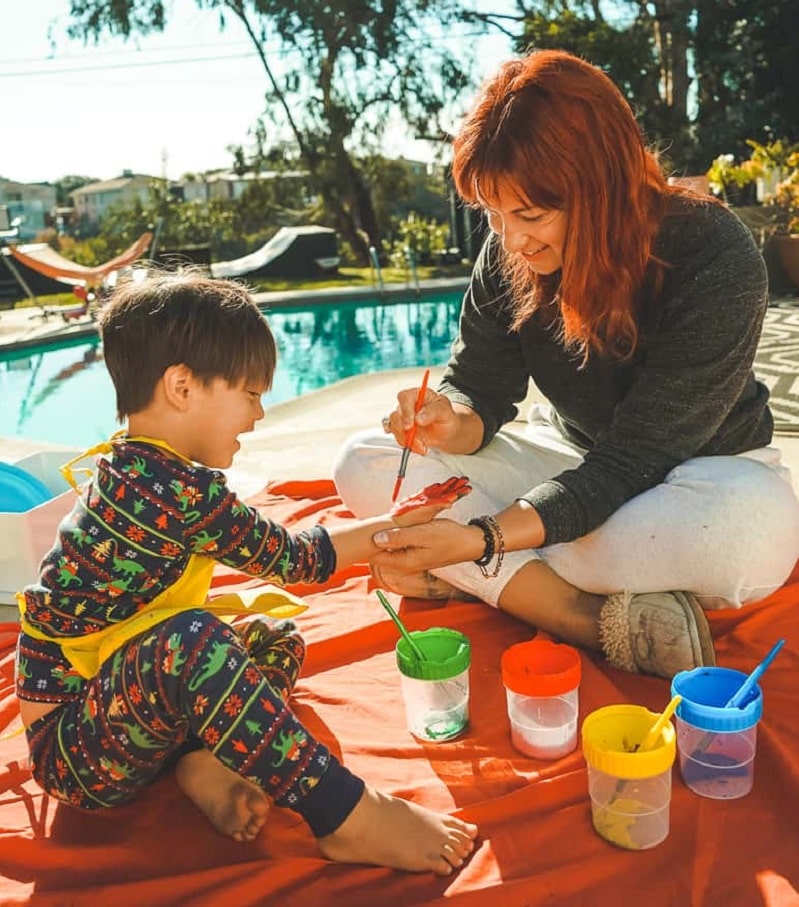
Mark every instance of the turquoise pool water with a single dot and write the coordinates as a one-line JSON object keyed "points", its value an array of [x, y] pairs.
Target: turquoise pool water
{"points": [[65, 396]]}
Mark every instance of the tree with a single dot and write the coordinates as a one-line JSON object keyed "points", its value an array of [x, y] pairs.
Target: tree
{"points": [[746, 67], [702, 75], [349, 64], [401, 187], [641, 45]]}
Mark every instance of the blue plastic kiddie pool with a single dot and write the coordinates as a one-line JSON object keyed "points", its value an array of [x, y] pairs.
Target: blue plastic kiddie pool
{"points": [[19, 490]]}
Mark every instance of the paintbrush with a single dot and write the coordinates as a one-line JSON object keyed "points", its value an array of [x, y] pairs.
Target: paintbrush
{"points": [[406, 450]]}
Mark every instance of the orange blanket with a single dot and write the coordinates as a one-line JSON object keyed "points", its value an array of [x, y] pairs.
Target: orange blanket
{"points": [[536, 845]]}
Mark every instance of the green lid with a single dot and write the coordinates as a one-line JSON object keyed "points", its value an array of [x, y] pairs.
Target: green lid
{"points": [[447, 654]]}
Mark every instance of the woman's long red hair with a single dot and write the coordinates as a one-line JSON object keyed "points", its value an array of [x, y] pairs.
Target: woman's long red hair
{"points": [[557, 130]]}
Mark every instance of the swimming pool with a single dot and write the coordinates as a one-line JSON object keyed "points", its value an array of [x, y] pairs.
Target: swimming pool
{"points": [[65, 396]]}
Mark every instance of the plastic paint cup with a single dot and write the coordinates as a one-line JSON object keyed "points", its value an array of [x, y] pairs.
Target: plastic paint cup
{"points": [[542, 680], [716, 745], [630, 791], [435, 691]]}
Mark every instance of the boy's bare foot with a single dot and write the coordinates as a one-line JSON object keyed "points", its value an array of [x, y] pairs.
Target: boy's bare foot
{"points": [[387, 831], [233, 805]]}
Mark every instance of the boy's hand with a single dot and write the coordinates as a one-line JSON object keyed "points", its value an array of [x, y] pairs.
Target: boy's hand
{"points": [[355, 544], [426, 504]]}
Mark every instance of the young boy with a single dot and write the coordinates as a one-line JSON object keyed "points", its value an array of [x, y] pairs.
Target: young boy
{"points": [[123, 668]]}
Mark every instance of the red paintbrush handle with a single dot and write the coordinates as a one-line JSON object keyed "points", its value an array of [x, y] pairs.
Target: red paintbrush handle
{"points": [[406, 450]]}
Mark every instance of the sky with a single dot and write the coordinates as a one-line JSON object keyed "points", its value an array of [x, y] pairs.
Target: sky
{"points": [[163, 105]]}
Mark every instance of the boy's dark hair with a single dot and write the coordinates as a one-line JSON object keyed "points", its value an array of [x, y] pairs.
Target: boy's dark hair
{"points": [[212, 326]]}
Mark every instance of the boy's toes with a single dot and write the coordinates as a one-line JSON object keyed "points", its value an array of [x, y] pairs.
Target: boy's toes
{"points": [[443, 868], [452, 856]]}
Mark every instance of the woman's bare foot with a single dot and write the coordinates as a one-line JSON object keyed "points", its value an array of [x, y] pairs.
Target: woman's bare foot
{"points": [[233, 805], [387, 831]]}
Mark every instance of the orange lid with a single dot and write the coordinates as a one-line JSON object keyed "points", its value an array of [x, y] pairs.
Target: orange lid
{"points": [[541, 668]]}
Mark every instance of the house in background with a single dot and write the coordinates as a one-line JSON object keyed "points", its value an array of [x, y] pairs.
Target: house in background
{"points": [[230, 186], [30, 205], [93, 200]]}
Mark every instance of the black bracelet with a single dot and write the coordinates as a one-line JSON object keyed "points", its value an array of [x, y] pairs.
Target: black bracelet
{"points": [[488, 553], [495, 545]]}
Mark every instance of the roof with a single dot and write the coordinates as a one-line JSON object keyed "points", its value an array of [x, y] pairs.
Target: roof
{"points": [[233, 177], [136, 179]]}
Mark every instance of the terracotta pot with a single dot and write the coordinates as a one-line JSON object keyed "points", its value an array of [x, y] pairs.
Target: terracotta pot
{"points": [[788, 248]]}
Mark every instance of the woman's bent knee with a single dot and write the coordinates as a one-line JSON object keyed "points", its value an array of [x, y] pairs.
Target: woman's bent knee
{"points": [[364, 471], [724, 528]]}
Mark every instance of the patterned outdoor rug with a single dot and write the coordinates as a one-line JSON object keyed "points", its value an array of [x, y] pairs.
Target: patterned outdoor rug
{"points": [[777, 364]]}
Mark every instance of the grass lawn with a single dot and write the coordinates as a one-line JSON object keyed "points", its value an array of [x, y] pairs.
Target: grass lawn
{"points": [[344, 277]]}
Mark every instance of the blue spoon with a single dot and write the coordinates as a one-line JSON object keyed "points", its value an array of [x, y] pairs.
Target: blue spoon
{"points": [[739, 697]]}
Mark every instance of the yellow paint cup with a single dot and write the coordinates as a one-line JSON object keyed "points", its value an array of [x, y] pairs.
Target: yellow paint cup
{"points": [[630, 791]]}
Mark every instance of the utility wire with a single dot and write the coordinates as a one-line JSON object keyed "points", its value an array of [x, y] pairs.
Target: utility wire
{"points": [[281, 51], [99, 52], [68, 70]]}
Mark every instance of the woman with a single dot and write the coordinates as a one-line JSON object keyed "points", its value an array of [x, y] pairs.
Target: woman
{"points": [[636, 309]]}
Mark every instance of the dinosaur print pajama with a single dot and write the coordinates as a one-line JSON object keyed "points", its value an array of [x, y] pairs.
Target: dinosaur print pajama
{"points": [[192, 680]]}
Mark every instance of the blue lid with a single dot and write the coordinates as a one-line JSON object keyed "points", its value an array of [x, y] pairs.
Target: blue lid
{"points": [[705, 693], [19, 490]]}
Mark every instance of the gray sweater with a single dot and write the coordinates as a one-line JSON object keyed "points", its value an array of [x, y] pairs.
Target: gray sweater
{"points": [[689, 390]]}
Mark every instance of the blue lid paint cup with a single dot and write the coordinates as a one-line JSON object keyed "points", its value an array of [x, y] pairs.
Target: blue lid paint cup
{"points": [[716, 743]]}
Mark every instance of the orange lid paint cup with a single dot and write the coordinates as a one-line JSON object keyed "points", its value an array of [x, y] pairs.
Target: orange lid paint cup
{"points": [[542, 681]]}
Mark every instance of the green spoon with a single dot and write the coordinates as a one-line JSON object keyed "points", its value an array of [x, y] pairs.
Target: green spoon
{"points": [[401, 626]]}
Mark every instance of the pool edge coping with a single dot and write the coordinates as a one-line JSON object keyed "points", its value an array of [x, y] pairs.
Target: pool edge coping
{"points": [[32, 338]]}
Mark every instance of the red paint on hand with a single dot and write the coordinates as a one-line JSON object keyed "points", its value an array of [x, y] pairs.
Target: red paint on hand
{"points": [[439, 493]]}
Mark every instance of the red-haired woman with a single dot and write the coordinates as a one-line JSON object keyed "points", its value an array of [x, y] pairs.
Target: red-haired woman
{"points": [[646, 490]]}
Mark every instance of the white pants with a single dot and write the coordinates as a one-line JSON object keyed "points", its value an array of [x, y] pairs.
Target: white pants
{"points": [[724, 528]]}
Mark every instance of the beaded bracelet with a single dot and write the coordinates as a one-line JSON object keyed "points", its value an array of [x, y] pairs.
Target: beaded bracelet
{"points": [[485, 558], [495, 545], [499, 543]]}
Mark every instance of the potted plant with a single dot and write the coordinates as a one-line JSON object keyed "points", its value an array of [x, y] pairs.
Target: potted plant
{"points": [[773, 168], [786, 234], [728, 179], [771, 163]]}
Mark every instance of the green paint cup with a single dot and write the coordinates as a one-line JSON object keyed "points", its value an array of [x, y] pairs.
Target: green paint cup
{"points": [[435, 689]]}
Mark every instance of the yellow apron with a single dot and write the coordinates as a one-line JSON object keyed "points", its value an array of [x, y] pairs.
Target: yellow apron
{"points": [[87, 653]]}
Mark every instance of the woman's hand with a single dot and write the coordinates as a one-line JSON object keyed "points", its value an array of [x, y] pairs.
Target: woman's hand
{"points": [[440, 424], [441, 542], [352, 541], [428, 545]]}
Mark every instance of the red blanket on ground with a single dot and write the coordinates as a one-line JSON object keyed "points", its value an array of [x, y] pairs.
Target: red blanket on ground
{"points": [[536, 844]]}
